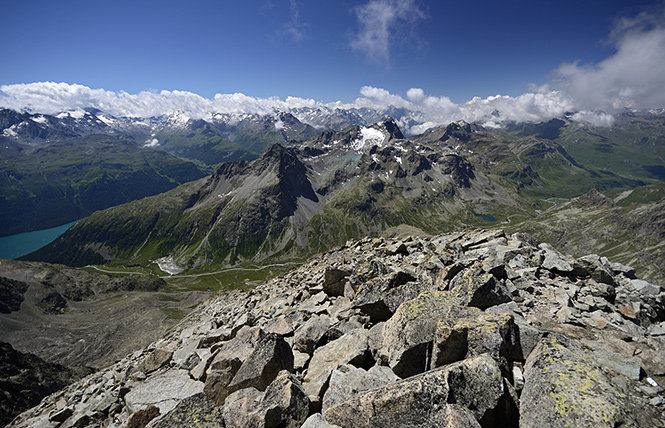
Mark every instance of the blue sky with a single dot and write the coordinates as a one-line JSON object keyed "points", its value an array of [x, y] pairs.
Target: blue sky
{"points": [[329, 50]]}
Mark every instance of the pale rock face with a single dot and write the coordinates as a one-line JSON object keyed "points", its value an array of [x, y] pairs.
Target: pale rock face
{"points": [[480, 318]]}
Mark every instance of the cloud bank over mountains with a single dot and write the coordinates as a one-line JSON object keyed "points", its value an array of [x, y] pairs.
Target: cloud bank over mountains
{"points": [[420, 111], [633, 77]]}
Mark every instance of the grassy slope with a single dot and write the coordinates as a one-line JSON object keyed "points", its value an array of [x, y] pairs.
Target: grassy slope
{"points": [[63, 182]]}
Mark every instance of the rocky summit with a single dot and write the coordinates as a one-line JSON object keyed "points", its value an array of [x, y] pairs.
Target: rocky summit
{"points": [[470, 329]]}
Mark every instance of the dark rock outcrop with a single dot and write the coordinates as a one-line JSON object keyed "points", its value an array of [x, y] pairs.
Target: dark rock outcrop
{"points": [[25, 379]]}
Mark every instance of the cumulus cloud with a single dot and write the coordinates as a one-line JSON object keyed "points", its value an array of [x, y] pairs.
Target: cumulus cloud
{"points": [[633, 77], [52, 98], [380, 98], [381, 19], [420, 111], [594, 118], [415, 94], [425, 111]]}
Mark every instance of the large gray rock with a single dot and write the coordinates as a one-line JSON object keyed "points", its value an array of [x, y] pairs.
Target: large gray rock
{"points": [[196, 411], [473, 332], [472, 386], [164, 390], [408, 335], [186, 357], [628, 366], [231, 354], [350, 348], [348, 380], [480, 289], [555, 261], [598, 268], [227, 360], [286, 402], [645, 288], [156, 359], [279, 326], [476, 384], [379, 297], [240, 407], [271, 356], [309, 334], [565, 387], [334, 281], [283, 404], [217, 385]]}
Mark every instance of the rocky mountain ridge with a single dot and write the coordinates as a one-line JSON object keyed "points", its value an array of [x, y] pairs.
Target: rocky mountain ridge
{"points": [[468, 329], [601, 157], [340, 185], [58, 168]]}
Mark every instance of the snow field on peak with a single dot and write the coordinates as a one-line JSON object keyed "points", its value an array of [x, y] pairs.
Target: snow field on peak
{"points": [[368, 136]]}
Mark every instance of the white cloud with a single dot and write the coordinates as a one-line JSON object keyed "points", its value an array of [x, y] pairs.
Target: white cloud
{"points": [[381, 19], [52, 98], [415, 94], [633, 77], [422, 111], [379, 98], [594, 118]]}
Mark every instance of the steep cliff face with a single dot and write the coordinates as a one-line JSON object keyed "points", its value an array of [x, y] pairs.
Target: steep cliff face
{"points": [[475, 328]]}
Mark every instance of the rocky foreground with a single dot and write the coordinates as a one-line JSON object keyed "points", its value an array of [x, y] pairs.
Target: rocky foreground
{"points": [[461, 330]]}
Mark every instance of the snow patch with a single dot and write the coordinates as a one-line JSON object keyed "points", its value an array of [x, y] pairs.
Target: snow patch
{"points": [[39, 119], [106, 119], [401, 148], [151, 143], [10, 132], [74, 114], [178, 119], [368, 136], [279, 125], [398, 159]]}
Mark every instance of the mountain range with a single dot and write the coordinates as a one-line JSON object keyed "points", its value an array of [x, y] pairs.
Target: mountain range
{"points": [[303, 197], [226, 201], [60, 168]]}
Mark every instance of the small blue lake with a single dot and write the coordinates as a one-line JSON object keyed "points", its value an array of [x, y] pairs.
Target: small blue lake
{"points": [[487, 217], [15, 246]]}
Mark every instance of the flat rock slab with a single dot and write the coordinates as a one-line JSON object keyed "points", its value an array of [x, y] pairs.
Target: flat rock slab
{"points": [[196, 411], [565, 387], [163, 390], [349, 348], [472, 386]]}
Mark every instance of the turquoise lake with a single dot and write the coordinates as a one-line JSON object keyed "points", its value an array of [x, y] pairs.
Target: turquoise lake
{"points": [[15, 246]]}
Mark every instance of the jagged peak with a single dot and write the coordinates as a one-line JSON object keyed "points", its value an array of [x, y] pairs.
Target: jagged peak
{"points": [[392, 128], [460, 130]]}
